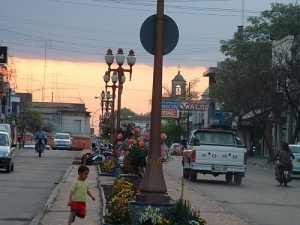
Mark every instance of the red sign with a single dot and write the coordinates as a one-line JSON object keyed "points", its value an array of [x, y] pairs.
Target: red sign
{"points": [[194, 105], [171, 113]]}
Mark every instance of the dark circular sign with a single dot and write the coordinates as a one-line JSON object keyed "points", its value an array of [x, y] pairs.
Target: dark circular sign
{"points": [[148, 31]]}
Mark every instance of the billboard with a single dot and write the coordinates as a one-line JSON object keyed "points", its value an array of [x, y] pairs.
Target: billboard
{"points": [[3, 55], [169, 109], [194, 105]]}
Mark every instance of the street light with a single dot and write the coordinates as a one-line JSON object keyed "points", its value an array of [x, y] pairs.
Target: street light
{"points": [[118, 75], [107, 103]]}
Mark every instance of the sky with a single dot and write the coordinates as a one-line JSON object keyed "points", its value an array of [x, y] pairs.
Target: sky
{"points": [[57, 47]]}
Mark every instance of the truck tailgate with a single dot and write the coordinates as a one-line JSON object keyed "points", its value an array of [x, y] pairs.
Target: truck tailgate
{"points": [[220, 155]]}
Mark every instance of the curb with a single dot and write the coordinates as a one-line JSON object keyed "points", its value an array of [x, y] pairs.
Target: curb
{"points": [[36, 220]]}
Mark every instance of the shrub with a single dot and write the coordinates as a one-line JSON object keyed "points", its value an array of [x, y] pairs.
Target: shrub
{"points": [[117, 211], [107, 165]]}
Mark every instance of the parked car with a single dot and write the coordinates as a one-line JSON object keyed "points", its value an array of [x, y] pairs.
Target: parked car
{"points": [[29, 145], [296, 162], [48, 147], [62, 141], [174, 149], [7, 152], [5, 127]]}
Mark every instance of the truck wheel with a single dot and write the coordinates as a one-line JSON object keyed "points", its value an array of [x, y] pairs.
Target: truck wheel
{"points": [[186, 173], [238, 178], [228, 177], [193, 176]]}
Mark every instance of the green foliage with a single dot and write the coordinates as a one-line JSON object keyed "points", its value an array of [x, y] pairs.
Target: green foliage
{"points": [[248, 80], [117, 211], [107, 165], [28, 120]]}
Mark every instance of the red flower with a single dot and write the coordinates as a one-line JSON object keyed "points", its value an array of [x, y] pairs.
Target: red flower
{"points": [[146, 135], [137, 130], [163, 136], [119, 136], [141, 144], [130, 142]]}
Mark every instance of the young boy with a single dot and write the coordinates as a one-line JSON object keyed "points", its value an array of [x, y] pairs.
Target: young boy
{"points": [[78, 192]]}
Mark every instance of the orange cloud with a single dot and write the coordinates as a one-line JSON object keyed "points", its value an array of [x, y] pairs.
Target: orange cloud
{"points": [[62, 81]]}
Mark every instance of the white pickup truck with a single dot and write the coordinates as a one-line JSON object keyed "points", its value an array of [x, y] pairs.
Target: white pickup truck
{"points": [[216, 152]]}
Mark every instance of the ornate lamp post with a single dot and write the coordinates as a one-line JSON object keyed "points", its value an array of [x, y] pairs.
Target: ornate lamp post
{"points": [[118, 75]]}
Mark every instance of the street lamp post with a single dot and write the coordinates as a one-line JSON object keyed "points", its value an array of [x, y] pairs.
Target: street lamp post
{"points": [[107, 103], [118, 74], [153, 187]]}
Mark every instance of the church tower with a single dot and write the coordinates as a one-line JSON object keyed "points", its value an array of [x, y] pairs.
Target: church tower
{"points": [[178, 86]]}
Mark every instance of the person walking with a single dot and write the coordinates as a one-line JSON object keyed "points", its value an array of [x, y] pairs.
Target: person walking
{"points": [[78, 194]]}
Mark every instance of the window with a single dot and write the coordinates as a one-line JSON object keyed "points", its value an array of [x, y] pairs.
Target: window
{"points": [[77, 126]]}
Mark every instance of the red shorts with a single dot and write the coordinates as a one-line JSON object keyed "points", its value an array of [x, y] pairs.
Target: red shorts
{"points": [[79, 208]]}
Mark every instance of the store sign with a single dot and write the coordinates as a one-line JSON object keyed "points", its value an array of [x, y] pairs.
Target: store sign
{"points": [[3, 55], [169, 109], [194, 105]]}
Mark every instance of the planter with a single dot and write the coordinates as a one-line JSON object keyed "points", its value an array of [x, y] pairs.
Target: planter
{"points": [[104, 173]]}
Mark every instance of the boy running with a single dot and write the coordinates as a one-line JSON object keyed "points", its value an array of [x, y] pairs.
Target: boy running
{"points": [[78, 193]]}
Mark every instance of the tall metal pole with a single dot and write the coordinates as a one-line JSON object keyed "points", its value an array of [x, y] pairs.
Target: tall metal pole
{"points": [[153, 186], [112, 136], [120, 88]]}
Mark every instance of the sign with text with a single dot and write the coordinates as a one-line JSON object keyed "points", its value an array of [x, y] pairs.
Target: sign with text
{"points": [[169, 109], [194, 105], [3, 54]]}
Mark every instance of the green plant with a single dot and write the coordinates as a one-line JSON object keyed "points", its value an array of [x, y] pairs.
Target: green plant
{"points": [[182, 213], [117, 211], [152, 216], [107, 165]]}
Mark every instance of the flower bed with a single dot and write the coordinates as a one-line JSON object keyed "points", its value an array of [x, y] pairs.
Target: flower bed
{"points": [[122, 209]]}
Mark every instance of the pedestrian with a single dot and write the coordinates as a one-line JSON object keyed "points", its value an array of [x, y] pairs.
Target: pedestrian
{"points": [[78, 194]]}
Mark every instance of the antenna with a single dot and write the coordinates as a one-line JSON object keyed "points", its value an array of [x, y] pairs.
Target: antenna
{"points": [[243, 12]]}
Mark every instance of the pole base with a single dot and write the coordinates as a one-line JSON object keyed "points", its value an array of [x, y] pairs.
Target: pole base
{"points": [[152, 197]]}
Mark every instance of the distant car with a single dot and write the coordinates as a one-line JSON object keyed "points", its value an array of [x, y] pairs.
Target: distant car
{"points": [[296, 162], [174, 149], [62, 141], [48, 147], [7, 152], [29, 145]]}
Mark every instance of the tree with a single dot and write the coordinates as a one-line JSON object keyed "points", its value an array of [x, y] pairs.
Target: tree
{"points": [[28, 120], [247, 81]]}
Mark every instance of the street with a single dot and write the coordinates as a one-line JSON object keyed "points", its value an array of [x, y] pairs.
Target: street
{"points": [[259, 198], [26, 190]]}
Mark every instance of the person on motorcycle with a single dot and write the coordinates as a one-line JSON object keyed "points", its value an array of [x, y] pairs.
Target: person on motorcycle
{"points": [[284, 156], [40, 135]]}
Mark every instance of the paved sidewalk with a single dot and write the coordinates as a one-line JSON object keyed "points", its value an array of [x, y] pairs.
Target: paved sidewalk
{"points": [[56, 210]]}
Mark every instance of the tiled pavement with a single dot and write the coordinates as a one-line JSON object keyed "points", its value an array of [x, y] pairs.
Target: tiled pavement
{"points": [[57, 212]]}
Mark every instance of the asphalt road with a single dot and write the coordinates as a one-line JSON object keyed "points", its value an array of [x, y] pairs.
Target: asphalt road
{"points": [[25, 191], [259, 198]]}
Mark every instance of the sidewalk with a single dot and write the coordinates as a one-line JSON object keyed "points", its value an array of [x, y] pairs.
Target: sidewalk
{"points": [[56, 210]]}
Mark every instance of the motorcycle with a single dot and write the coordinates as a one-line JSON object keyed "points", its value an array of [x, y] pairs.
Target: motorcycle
{"points": [[39, 146], [284, 175]]}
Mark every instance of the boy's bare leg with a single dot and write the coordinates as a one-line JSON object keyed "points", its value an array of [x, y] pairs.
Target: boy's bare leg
{"points": [[71, 218]]}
